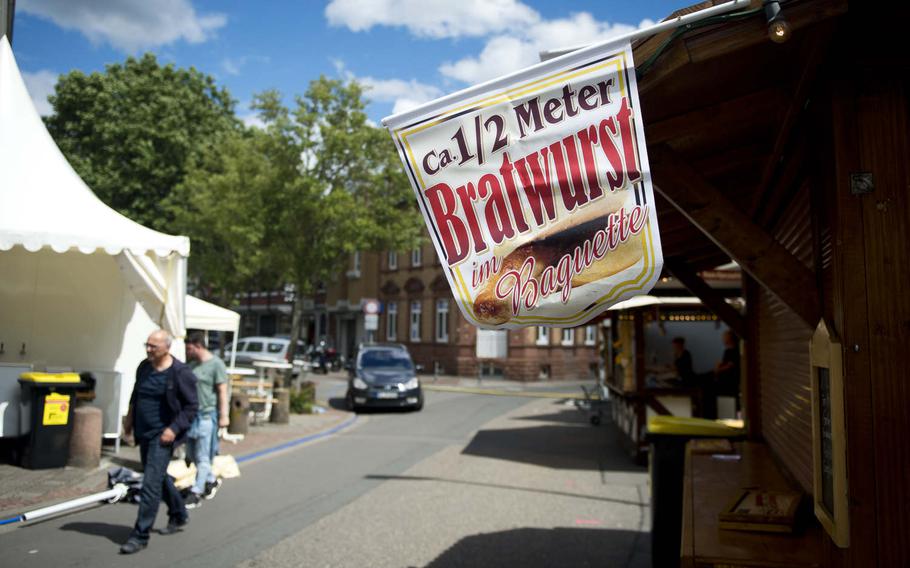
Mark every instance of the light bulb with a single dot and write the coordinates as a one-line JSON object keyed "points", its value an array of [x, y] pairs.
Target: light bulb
{"points": [[779, 30]]}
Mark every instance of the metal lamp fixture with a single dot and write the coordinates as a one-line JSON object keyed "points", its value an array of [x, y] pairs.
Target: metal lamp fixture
{"points": [[778, 28]]}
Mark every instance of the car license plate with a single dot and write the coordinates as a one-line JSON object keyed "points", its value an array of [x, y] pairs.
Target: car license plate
{"points": [[387, 394]]}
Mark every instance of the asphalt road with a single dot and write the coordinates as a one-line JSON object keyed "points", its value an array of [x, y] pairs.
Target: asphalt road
{"points": [[471, 480]]}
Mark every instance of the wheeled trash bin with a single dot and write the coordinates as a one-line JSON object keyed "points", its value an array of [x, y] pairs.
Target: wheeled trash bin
{"points": [[49, 400], [668, 436]]}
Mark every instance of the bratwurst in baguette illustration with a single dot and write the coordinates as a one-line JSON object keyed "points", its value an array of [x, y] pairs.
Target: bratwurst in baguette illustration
{"points": [[589, 245]]}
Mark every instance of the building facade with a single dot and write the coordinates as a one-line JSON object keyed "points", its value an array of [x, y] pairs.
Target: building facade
{"points": [[418, 309]]}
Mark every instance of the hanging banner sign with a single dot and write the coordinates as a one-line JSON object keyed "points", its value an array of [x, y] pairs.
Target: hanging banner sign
{"points": [[536, 191]]}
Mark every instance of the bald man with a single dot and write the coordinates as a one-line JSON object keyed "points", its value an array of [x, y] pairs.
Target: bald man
{"points": [[162, 409]]}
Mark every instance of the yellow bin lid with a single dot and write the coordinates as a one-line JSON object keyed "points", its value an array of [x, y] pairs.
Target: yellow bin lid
{"points": [[681, 426], [51, 378]]}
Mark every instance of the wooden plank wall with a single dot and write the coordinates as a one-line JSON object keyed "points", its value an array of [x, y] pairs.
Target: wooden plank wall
{"points": [[869, 117], [882, 107], [786, 412]]}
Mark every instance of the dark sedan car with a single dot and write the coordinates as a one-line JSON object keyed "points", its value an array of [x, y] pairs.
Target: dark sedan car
{"points": [[384, 376]]}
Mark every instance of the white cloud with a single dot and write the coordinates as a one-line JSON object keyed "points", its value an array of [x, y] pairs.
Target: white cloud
{"points": [[501, 55], [40, 84], [504, 54], [252, 120], [248, 116], [432, 18], [230, 66], [233, 65], [129, 25], [516, 32], [403, 94]]}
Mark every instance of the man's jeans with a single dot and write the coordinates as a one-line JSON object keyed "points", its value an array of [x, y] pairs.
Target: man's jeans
{"points": [[156, 484], [200, 449]]}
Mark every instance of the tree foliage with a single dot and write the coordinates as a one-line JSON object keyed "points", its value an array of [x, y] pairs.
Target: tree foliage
{"points": [[223, 205], [342, 185], [288, 203], [316, 184], [130, 131]]}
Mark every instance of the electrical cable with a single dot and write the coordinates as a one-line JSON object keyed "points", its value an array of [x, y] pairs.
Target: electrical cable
{"points": [[642, 69]]}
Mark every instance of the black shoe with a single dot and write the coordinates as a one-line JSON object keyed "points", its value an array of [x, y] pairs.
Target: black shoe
{"points": [[132, 546], [211, 488], [192, 501], [174, 526]]}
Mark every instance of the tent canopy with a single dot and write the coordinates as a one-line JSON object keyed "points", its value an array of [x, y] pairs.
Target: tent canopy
{"points": [[43, 201], [45, 204], [203, 315]]}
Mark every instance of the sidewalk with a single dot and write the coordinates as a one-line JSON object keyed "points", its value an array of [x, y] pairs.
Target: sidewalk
{"points": [[24, 489], [535, 486]]}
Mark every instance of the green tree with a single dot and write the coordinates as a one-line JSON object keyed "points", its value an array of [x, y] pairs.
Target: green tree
{"points": [[223, 206], [340, 187], [130, 131]]}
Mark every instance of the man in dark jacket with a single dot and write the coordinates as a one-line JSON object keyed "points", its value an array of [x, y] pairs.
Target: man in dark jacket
{"points": [[162, 408], [682, 362]]}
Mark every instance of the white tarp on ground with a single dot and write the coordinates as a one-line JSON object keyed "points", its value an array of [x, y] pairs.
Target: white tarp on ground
{"points": [[81, 286]]}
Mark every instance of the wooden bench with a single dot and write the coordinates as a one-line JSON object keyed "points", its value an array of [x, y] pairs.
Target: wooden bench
{"points": [[710, 485]]}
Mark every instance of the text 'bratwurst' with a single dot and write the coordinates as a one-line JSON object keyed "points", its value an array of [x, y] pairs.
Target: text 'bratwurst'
{"points": [[570, 164]]}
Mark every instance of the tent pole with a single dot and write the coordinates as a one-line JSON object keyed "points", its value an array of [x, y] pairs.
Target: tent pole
{"points": [[234, 348]]}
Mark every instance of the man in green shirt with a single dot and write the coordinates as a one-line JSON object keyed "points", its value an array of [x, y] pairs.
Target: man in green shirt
{"points": [[211, 376]]}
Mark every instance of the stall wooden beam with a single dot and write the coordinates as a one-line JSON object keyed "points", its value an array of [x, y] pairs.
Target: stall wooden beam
{"points": [[721, 115], [757, 252], [713, 300]]}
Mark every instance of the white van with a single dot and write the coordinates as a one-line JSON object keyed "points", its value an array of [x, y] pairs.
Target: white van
{"points": [[272, 349]]}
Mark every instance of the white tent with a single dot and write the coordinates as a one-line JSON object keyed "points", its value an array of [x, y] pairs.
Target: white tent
{"points": [[81, 286], [209, 317]]}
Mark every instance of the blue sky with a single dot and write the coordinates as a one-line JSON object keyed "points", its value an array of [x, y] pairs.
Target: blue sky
{"points": [[407, 51]]}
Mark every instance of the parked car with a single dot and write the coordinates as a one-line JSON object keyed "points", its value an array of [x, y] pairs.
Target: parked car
{"points": [[272, 349], [383, 375]]}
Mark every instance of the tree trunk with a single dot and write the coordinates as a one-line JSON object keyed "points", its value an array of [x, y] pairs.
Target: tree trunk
{"points": [[297, 315]]}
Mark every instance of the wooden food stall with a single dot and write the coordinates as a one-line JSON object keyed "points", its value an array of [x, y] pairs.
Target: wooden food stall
{"points": [[791, 159], [641, 378]]}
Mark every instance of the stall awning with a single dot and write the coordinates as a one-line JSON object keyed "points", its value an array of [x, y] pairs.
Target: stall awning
{"points": [[203, 315], [643, 301]]}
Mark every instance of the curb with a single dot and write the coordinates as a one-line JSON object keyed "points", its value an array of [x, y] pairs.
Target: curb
{"points": [[241, 459], [502, 392], [308, 438]]}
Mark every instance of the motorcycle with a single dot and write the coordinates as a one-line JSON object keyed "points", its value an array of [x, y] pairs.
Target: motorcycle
{"points": [[325, 359]]}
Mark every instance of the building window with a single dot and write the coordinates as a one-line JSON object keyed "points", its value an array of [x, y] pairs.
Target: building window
{"points": [[543, 336], [391, 322], [416, 257], [415, 321], [568, 336], [590, 335], [393, 260], [442, 321], [354, 272]]}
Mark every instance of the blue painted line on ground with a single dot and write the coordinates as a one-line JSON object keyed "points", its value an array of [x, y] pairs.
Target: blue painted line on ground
{"points": [[298, 441]]}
